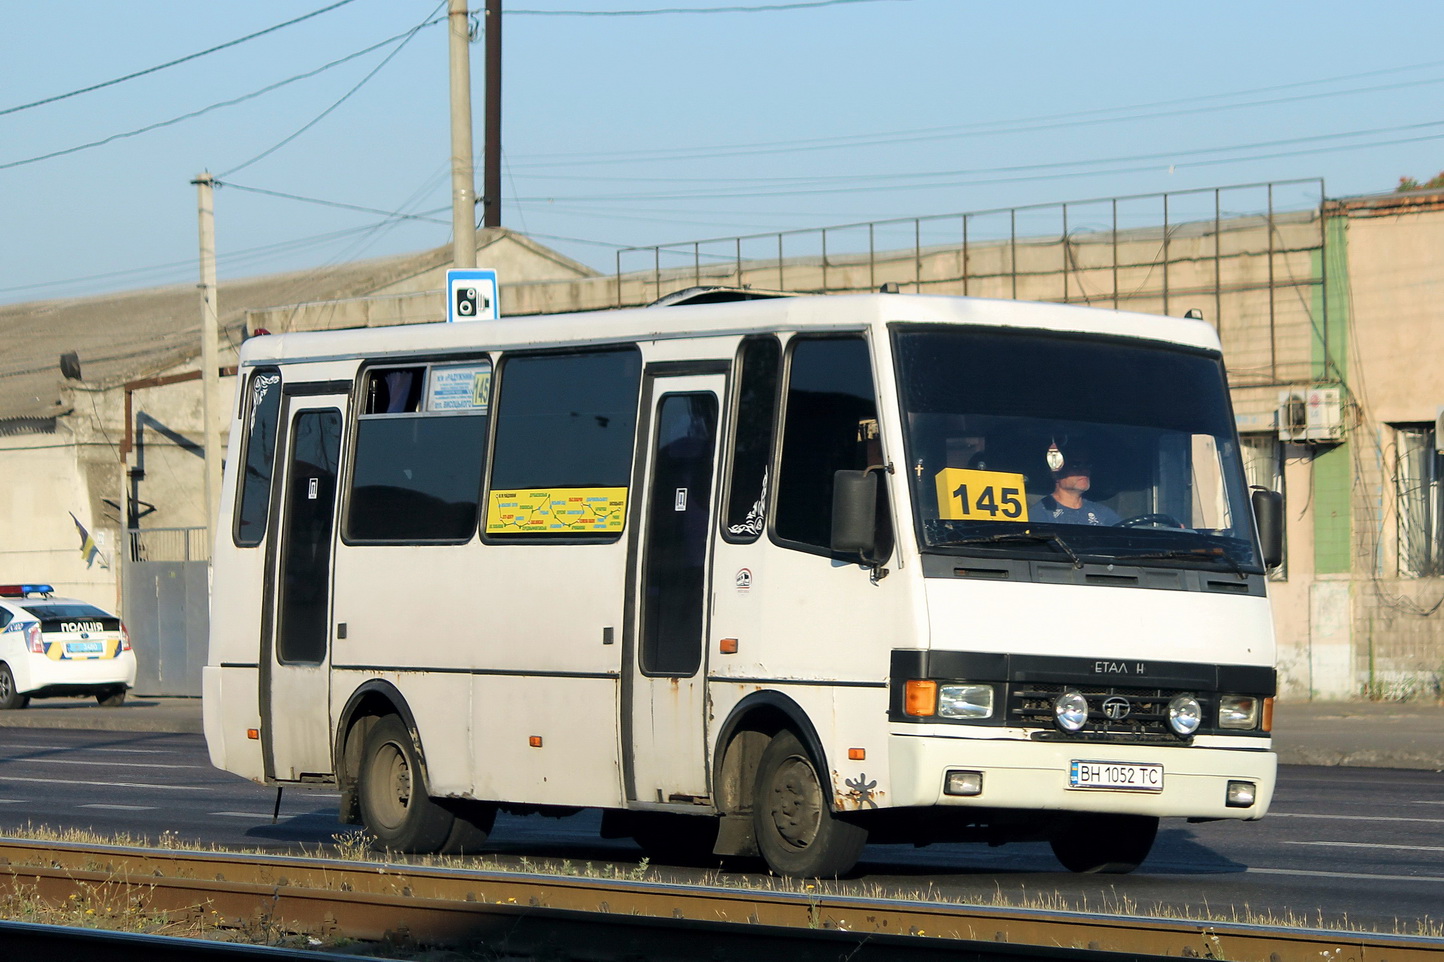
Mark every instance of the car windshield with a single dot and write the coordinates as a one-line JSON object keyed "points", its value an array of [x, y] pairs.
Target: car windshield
{"points": [[1036, 444]]}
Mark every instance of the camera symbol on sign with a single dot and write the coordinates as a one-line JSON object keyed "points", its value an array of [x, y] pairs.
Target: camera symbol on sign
{"points": [[469, 301]]}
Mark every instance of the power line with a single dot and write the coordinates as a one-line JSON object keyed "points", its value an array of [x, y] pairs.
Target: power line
{"points": [[1022, 125], [344, 97], [215, 106], [764, 8], [172, 63], [331, 203], [848, 183]]}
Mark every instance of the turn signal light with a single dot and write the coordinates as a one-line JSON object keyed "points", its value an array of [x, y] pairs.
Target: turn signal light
{"points": [[254, 734], [535, 741], [727, 646], [1268, 715], [920, 697]]}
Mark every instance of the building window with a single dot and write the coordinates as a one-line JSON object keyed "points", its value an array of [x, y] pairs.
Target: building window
{"points": [[1263, 466], [1418, 493]]}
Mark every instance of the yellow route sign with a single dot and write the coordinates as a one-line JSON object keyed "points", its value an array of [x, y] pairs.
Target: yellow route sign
{"points": [[968, 495]]}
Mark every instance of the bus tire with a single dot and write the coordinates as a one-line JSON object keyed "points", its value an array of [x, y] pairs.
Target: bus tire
{"points": [[1105, 844], [9, 697], [472, 827], [797, 832], [394, 805]]}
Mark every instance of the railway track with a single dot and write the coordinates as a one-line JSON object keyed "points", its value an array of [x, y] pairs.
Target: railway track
{"points": [[564, 916]]}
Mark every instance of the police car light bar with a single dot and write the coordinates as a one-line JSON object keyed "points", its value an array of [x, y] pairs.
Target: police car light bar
{"points": [[21, 591]]}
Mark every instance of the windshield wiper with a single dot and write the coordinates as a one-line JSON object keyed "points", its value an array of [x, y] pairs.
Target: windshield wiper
{"points": [[1189, 554], [1016, 537]]}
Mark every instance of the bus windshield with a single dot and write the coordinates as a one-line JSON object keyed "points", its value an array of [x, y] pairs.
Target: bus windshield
{"points": [[1032, 443]]}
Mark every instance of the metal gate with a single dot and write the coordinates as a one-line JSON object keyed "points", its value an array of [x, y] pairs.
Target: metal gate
{"points": [[166, 596]]}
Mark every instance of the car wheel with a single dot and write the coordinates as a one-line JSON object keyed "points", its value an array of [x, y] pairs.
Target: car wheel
{"points": [[797, 832], [113, 698], [9, 697], [392, 791]]}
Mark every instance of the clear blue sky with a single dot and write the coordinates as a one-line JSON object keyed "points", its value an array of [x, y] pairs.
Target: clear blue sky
{"points": [[633, 130]]}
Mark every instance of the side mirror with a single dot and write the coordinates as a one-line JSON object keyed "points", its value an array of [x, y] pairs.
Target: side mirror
{"points": [[854, 512], [1268, 515]]}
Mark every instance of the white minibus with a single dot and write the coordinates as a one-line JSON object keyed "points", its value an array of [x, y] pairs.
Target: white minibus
{"points": [[779, 576]]}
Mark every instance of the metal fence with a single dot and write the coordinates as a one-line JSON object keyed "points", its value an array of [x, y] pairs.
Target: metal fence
{"points": [[169, 544], [1249, 255], [167, 608]]}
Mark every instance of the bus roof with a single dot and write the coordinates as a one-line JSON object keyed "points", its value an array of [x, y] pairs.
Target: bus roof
{"points": [[814, 313]]}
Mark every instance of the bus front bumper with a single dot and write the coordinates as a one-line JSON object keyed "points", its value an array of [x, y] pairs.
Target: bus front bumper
{"points": [[1016, 773]]}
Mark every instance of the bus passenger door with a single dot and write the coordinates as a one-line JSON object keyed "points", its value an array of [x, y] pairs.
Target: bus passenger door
{"points": [[665, 691], [296, 640]]}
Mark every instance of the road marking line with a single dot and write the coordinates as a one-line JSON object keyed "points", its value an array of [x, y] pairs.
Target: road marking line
{"points": [[1400, 848], [73, 761], [122, 808], [1310, 873], [131, 751], [1359, 818], [71, 781], [263, 816]]}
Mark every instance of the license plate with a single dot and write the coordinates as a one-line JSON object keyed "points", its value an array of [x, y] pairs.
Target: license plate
{"points": [[84, 647], [1116, 776]]}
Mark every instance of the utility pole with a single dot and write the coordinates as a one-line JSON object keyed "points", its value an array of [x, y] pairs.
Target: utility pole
{"points": [[210, 350], [491, 164], [463, 178]]}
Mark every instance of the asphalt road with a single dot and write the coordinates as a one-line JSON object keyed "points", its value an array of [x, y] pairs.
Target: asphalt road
{"points": [[1363, 847]]}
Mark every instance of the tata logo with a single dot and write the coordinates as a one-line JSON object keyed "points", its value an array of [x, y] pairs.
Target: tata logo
{"points": [[1117, 708]]}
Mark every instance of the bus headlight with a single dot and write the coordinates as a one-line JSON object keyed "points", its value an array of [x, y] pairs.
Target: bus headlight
{"points": [[1184, 714], [965, 701], [1070, 711], [1238, 712]]}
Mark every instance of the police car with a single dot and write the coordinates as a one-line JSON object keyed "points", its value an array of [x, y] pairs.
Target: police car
{"points": [[53, 646]]}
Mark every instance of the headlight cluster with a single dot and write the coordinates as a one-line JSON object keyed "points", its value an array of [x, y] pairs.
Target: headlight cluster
{"points": [[1185, 712], [948, 699]]}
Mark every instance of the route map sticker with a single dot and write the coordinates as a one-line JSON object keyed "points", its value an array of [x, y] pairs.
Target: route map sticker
{"points": [[557, 511], [967, 495]]}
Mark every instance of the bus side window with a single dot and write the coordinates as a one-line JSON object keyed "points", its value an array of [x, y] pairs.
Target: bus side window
{"points": [[754, 425], [830, 425], [253, 500], [562, 458], [417, 466]]}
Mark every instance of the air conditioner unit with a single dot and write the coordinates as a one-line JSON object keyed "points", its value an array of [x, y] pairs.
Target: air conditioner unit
{"points": [[1311, 416]]}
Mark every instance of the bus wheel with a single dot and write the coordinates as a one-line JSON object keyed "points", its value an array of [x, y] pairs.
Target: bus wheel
{"points": [[1106, 844], [394, 803], [797, 833]]}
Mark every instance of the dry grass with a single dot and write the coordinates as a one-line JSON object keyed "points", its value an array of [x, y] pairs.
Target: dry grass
{"points": [[124, 907]]}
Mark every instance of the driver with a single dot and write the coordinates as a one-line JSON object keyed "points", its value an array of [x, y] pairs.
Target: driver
{"points": [[1072, 478]]}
